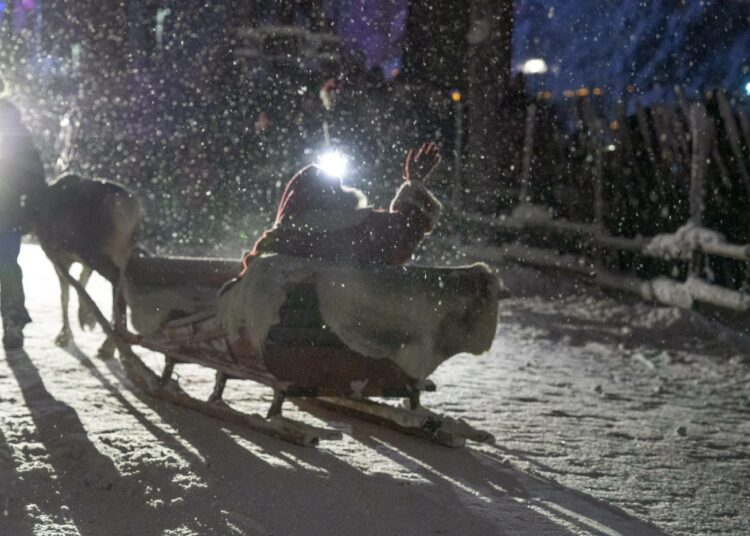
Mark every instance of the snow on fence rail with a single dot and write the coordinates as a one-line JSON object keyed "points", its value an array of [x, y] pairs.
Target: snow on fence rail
{"points": [[691, 242]]}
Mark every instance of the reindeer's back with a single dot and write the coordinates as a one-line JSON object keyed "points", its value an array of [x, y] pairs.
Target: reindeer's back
{"points": [[90, 218]]}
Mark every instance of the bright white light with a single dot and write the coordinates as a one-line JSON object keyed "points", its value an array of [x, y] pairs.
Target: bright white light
{"points": [[747, 88], [333, 163], [534, 66]]}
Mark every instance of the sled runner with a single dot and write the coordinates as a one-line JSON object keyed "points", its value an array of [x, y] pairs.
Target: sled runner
{"points": [[315, 333]]}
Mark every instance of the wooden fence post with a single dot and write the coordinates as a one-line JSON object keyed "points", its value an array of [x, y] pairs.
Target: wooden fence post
{"points": [[457, 192], [598, 172], [648, 142], [528, 150], [715, 154], [730, 127], [595, 135], [701, 135], [745, 125]]}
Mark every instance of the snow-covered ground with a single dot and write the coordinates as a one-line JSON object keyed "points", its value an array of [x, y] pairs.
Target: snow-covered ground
{"points": [[612, 417]]}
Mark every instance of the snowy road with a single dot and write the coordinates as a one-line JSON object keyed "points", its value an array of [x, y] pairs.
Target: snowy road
{"points": [[612, 417]]}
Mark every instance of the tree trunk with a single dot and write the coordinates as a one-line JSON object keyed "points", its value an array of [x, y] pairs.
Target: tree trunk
{"points": [[489, 79]]}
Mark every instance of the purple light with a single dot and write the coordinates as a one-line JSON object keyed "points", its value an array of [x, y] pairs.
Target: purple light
{"points": [[28, 4], [373, 27]]}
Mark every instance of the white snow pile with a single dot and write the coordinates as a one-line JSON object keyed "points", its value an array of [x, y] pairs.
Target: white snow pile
{"points": [[416, 317], [683, 242], [666, 290]]}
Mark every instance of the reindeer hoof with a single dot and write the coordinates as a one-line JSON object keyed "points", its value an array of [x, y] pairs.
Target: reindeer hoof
{"points": [[106, 350], [86, 318], [64, 339]]}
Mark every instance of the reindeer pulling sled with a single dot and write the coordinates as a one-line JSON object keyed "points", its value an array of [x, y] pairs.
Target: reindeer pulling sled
{"points": [[335, 334], [316, 333]]}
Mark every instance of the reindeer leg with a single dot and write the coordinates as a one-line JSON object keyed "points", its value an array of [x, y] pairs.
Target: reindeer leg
{"points": [[120, 309], [65, 337], [86, 318], [107, 349]]}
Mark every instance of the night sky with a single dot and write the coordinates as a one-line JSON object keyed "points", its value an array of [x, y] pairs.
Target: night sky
{"points": [[650, 45]]}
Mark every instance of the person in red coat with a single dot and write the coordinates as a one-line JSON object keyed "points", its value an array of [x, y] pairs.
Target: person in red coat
{"points": [[320, 218]]}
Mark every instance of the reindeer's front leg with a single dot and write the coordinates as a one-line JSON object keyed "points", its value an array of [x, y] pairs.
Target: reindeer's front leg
{"points": [[65, 337], [120, 309]]}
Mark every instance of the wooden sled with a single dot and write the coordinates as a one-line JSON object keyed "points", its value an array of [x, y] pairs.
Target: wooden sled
{"points": [[301, 360]]}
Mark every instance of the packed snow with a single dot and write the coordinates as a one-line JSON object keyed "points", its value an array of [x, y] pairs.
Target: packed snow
{"points": [[611, 417]]}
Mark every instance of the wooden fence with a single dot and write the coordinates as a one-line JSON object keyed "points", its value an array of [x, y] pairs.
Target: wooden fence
{"points": [[656, 203]]}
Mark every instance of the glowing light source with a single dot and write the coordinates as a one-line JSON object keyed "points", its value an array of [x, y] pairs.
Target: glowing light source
{"points": [[333, 163], [534, 66], [747, 88], [456, 95]]}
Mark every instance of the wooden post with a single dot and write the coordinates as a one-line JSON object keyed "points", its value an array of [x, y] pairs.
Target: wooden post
{"points": [[663, 141], [679, 132], [730, 127], [745, 125], [625, 160], [685, 113], [669, 152], [457, 191], [682, 125], [701, 135], [627, 153], [682, 102], [528, 150], [595, 142], [598, 141], [700, 151], [640, 114]]}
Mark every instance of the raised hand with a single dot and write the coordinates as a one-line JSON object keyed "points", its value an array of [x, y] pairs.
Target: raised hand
{"points": [[420, 165]]}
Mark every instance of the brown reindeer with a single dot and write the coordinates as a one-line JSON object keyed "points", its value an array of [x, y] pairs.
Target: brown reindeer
{"points": [[92, 222]]}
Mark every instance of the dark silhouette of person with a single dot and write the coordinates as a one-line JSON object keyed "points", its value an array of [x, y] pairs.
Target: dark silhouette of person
{"points": [[320, 218], [21, 188]]}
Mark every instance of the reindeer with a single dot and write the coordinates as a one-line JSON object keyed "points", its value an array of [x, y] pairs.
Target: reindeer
{"points": [[92, 222]]}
